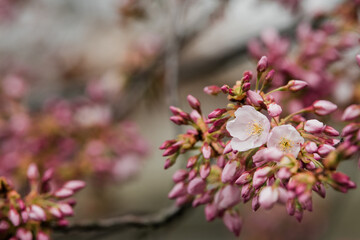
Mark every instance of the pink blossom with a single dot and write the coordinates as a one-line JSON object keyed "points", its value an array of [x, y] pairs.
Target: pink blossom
{"points": [[314, 126], [249, 129], [286, 138], [323, 107]]}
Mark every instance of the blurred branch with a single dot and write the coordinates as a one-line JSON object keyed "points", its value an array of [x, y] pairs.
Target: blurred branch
{"points": [[140, 82], [151, 221]]}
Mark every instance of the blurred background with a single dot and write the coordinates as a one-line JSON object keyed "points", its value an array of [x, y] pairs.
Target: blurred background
{"points": [[137, 58]]}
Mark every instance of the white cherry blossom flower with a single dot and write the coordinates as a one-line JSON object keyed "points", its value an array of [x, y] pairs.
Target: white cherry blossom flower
{"points": [[286, 138], [249, 129]]}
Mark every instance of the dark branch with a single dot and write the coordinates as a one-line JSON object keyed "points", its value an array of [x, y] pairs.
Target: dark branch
{"points": [[151, 221]]}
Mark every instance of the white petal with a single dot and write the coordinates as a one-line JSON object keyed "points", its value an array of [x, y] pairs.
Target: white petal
{"points": [[242, 146]]}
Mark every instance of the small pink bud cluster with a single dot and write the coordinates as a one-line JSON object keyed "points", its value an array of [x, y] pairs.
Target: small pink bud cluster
{"points": [[83, 130], [30, 217], [266, 162]]}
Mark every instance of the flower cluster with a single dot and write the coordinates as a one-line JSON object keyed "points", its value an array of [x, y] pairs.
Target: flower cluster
{"points": [[32, 216], [249, 152], [77, 138], [318, 57]]}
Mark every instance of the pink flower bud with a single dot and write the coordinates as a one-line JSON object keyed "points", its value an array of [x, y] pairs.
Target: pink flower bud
{"points": [[204, 171], [313, 126], [66, 209], [228, 197], [233, 222], [37, 213], [262, 64], [206, 150], [24, 216], [55, 212], [268, 197], [217, 113], [172, 149], [181, 200], [195, 116], [191, 161], [349, 129], [269, 76], [4, 226], [196, 186], [260, 176], [63, 193], [244, 178], [325, 149], [23, 234], [168, 163], [274, 109], [74, 185], [177, 120], [221, 161], [245, 190], [167, 144], [192, 174], [246, 86], [33, 172], [229, 172], [42, 236], [247, 76], [351, 112], [227, 148], [48, 175], [296, 85], [180, 175], [194, 102], [298, 215], [254, 98], [178, 190], [212, 90], [255, 203], [225, 88], [330, 131], [323, 107], [284, 173], [210, 212], [358, 59], [14, 217], [290, 207], [272, 154]]}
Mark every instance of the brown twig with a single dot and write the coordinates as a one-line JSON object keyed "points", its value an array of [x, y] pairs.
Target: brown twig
{"points": [[149, 221]]}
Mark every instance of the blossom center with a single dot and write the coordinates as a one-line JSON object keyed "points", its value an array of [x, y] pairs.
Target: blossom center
{"points": [[255, 128], [286, 144]]}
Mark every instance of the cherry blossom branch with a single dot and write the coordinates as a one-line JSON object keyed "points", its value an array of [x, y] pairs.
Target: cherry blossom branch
{"points": [[149, 221]]}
